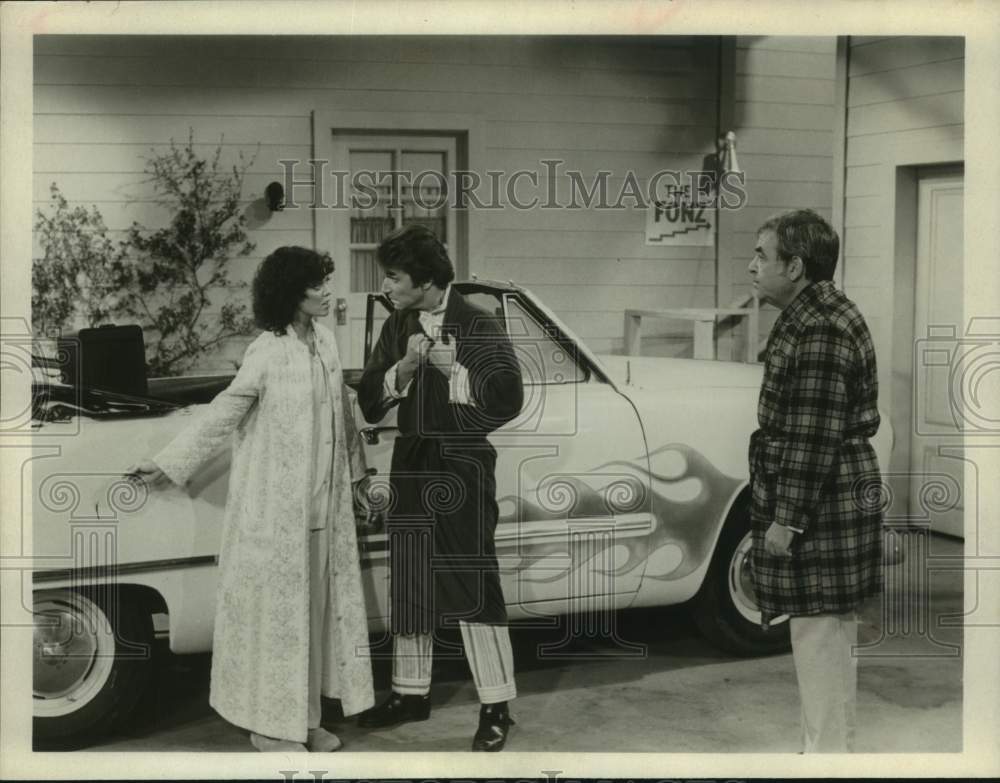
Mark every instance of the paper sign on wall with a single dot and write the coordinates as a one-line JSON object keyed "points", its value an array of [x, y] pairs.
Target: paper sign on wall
{"points": [[679, 220]]}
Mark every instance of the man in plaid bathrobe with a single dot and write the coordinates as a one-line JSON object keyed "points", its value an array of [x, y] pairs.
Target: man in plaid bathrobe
{"points": [[816, 543]]}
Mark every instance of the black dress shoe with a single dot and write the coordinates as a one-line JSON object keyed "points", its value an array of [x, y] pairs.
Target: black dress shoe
{"points": [[494, 726], [398, 708]]}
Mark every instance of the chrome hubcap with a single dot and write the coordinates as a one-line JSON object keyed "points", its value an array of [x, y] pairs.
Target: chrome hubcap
{"points": [[73, 647], [741, 589]]}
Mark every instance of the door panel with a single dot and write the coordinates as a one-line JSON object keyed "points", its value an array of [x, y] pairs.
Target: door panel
{"points": [[936, 479], [391, 181]]}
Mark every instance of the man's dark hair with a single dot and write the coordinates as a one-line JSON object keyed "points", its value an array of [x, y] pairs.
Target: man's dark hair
{"points": [[805, 234], [281, 281], [415, 250]]}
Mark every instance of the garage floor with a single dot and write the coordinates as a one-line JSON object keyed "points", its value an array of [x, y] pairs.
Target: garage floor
{"points": [[681, 695]]}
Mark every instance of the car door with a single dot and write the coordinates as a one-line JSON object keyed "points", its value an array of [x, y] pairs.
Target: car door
{"points": [[572, 476], [395, 181]]}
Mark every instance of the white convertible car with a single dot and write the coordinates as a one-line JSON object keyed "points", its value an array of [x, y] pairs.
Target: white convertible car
{"points": [[623, 483]]}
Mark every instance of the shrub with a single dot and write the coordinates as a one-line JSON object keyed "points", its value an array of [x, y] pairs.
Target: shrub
{"points": [[82, 274], [166, 278], [177, 269]]}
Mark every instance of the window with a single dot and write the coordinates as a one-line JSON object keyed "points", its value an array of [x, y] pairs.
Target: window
{"points": [[543, 358], [395, 181]]}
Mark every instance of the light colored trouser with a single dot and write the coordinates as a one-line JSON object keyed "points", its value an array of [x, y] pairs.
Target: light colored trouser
{"points": [[487, 648], [319, 577], [827, 672]]}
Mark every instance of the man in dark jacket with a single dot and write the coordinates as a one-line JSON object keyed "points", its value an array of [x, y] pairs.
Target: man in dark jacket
{"points": [[816, 543], [451, 369]]}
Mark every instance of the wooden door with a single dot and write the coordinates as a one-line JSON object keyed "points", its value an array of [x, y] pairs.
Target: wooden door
{"points": [[383, 182], [936, 474]]}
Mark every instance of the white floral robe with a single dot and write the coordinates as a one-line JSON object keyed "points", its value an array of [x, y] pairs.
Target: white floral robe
{"points": [[260, 664]]}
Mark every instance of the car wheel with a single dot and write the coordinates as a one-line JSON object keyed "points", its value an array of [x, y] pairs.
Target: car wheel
{"points": [[91, 661], [725, 609]]}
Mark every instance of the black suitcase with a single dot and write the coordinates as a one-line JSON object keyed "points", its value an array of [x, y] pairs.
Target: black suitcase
{"points": [[109, 357]]}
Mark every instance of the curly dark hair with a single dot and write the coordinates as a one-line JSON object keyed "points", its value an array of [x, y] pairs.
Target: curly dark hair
{"points": [[281, 282], [416, 250]]}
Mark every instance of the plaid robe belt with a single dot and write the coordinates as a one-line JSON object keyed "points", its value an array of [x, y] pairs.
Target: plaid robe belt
{"points": [[811, 465]]}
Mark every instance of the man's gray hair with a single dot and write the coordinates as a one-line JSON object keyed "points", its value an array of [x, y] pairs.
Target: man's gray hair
{"points": [[804, 233]]}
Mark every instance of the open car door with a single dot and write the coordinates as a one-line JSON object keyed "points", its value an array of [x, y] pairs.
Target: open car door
{"points": [[572, 473]]}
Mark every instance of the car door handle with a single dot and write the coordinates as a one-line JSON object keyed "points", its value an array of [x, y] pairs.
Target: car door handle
{"points": [[371, 434]]}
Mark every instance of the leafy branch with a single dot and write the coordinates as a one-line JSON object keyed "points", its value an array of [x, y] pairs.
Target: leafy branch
{"points": [[82, 274], [178, 268], [165, 278]]}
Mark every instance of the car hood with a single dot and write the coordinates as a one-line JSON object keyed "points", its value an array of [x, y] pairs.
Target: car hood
{"points": [[708, 402], [704, 410], [78, 490], [649, 372]]}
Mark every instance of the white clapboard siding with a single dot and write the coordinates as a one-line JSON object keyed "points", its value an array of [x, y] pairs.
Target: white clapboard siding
{"points": [[320, 54], [599, 136], [264, 243], [550, 243], [622, 105], [870, 149], [785, 96], [603, 104], [780, 142], [933, 78], [295, 75], [931, 111], [536, 51], [785, 116], [901, 54], [803, 91], [644, 163], [749, 218], [765, 56], [130, 158], [903, 93], [119, 215], [786, 168], [98, 126], [865, 241], [867, 272], [85, 187], [864, 180]]}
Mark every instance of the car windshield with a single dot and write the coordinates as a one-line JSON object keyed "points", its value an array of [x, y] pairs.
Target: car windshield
{"points": [[53, 400]]}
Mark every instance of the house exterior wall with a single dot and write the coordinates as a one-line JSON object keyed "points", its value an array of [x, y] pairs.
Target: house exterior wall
{"points": [[904, 110], [905, 102], [784, 120], [623, 105]]}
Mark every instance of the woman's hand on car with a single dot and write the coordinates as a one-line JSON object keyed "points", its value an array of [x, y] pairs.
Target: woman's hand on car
{"points": [[148, 472]]}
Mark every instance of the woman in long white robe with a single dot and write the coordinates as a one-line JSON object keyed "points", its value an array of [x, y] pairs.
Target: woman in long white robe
{"points": [[290, 618]]}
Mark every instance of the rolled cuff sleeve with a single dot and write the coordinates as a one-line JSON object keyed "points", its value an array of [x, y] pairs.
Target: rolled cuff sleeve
{"points": [[458, 386], [389, 385]]}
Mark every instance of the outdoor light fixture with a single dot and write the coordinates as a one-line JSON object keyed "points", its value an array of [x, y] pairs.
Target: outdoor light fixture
{"points": [[275, 195], [727, 156]]}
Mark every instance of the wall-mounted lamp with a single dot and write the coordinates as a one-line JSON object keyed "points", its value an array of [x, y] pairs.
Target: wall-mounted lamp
{"points": [[727, 154], [275, 195], [715, 165]]}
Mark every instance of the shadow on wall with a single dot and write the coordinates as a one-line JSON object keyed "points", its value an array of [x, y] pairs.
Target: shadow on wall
{"points": [[257, 214]]}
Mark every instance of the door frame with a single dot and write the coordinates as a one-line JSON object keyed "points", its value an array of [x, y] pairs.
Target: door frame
{"points": [[350, 313], [466, 129], [900, 181], [921, 297], [470, 155]]}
